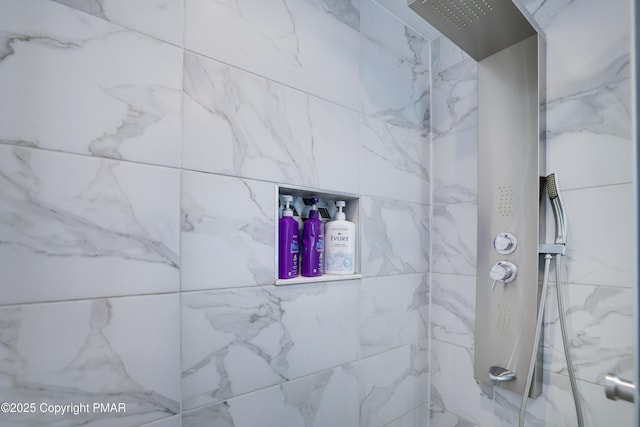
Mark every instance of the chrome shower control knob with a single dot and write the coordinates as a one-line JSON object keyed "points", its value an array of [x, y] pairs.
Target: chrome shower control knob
{"points": [[505, 243], [503, 271]]}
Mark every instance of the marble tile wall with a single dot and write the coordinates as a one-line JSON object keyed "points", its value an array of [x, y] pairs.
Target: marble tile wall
{"points": [[589, 146], [141, 144]]}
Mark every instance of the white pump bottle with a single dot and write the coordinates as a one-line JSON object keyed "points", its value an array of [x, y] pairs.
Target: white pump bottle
{"points": [[340, 244]]}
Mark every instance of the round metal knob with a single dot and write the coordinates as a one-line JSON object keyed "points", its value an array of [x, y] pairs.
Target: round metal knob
{"points": [[505, 243], [503, 271]]}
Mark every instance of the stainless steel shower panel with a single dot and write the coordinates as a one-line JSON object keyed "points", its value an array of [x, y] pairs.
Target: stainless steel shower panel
{"points": [[479, 27], [510, 162]]}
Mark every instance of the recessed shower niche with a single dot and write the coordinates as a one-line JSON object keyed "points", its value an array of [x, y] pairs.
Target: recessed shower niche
{"points": [[301, 205]]}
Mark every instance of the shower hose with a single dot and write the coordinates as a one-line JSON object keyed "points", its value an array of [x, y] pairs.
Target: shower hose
{"points": [[565, 342]]}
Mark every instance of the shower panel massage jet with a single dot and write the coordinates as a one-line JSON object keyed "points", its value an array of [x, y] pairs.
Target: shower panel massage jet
{"points": [[510, 55]]}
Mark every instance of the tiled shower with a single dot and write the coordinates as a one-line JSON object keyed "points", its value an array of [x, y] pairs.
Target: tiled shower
{"points": [[142, 144]]}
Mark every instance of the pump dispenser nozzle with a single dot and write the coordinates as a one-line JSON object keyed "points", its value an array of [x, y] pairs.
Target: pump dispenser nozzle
{"points": [[340, 204], [313, 212], [287, 207]]}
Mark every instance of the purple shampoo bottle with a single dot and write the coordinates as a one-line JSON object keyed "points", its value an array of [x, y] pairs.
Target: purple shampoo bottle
{"points": [[288, 242], [313, 243]]}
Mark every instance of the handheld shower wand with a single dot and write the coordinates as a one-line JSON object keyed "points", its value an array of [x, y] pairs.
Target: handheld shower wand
{"points": [[548, 250], [558, 211]]}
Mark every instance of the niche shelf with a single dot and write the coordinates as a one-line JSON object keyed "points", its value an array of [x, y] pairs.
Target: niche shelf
{"points": [[327, 209]]}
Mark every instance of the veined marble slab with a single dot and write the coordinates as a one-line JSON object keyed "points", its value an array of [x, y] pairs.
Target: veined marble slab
{"points": [[395, 237], [78, 84], [236, 341], [395, 162], [82, 352], [80, 227], [295, 43], [227, 237], [239, 124], [162, 19]]}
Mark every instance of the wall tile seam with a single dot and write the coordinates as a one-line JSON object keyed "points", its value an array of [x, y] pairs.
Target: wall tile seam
{"points": [[125, 27], [402, 22], [386, 50], [86, 299], [351, 364], [469, 349], [449, 273], [403, 274], [424, 132], [465, 56], [566, 377], [400, 274], [177, 416], [431, 231], [282, 84], [564, 190], [564, 283], [86, 156], [438, 137], [469, 422], [240, 177], [460, 417], [452, 344], [389, 349], [591, 90], [293, 286], [467, 202], [374, 197], [395, 420]]}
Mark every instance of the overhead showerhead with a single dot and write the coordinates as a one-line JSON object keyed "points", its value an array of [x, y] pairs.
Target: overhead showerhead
{"points": [[479, 27]]}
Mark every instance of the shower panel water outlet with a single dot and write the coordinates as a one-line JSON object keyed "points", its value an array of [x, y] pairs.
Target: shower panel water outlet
{"points": [[510, 55]]}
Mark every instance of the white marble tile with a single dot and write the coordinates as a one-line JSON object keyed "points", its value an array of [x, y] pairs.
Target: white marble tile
{"points": [[395, 237], [161, 19], [276, 334], [392, 34], [441, 418], [455, 167], [412, 19], [175, 421], [445, 54], [394, 90], [326, 399], [555, 407], [92, 351], [600, 321], [395, 162], [588, 43], [393, 383], [417, 418], [454, 98], [292, 42], [86, 86], [227, 237], [239, 124], [346, 11], [80, 227], [453, 309], [589, 137], [600, 244], [454, 235], [453, 387], [394, 311]]}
